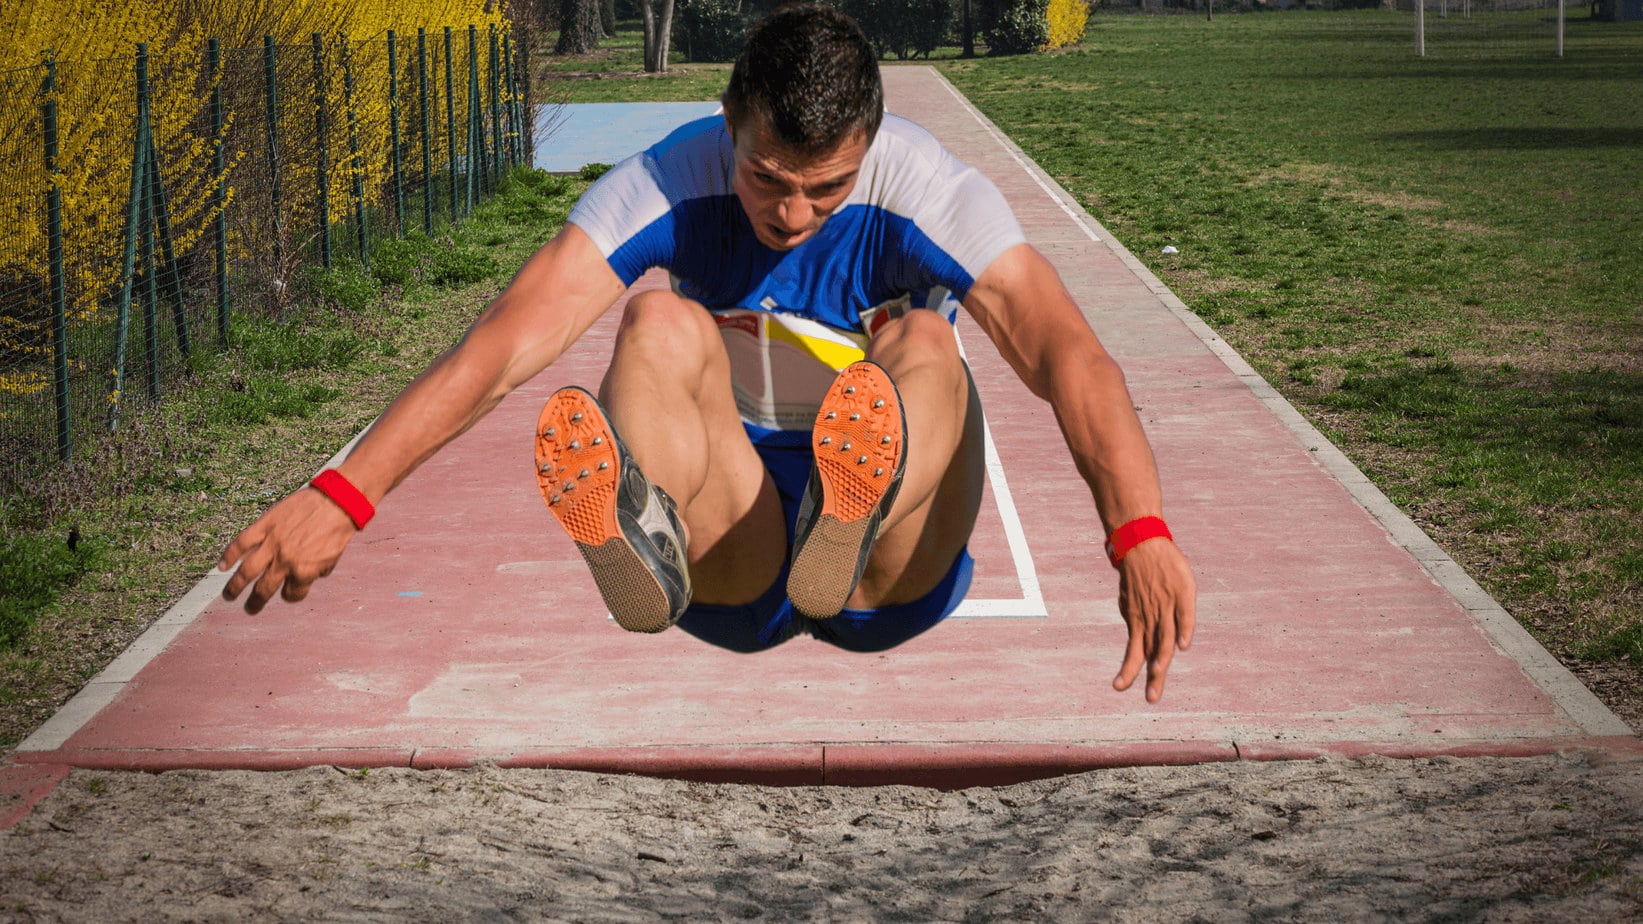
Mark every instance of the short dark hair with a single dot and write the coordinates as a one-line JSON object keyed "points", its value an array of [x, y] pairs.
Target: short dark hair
{"points": [[809, 74]]}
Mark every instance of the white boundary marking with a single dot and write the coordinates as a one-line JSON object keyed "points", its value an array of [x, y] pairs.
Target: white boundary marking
{"points": [[1031, 605]]}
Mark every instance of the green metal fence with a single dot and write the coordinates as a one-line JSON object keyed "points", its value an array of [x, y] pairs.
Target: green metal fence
{"points": [[197, 185]]}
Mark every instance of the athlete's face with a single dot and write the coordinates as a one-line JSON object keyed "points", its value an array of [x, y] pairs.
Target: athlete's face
{"points": [[787, 195]]}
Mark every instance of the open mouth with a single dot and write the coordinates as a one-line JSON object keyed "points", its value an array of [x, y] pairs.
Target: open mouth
{"points": [[784, 239]]}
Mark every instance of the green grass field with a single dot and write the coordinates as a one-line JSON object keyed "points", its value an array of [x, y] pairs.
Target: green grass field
{"points": [[1439, 260]]}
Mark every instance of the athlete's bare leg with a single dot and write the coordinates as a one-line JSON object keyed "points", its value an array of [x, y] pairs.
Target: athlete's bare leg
{"points": [[668, 393], [940, 494]]}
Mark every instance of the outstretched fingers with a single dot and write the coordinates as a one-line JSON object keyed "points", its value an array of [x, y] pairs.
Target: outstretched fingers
{"points": [[1157, 597], [1152, 639], [294, 544]]}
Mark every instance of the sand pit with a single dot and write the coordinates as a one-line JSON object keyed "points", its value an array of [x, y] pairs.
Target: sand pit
{"points": [[1547, 838]]}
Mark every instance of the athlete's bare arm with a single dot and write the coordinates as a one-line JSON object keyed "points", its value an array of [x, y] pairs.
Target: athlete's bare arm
{"points": [[556, 296], [1022, 305]]}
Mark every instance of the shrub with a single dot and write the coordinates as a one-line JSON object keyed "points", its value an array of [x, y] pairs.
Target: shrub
{"points": [[1014, 27], [263, 397], [710, 30], [398, 261], [346, 286], [905, 28], [1066, 20], [459, 264], [275, 347]]}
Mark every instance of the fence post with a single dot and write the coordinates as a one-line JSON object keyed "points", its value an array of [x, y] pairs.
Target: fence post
{"points": [[213, 50], [162, 215], [54, 248], [358, 163], [393, 131], [145, 224], [128, 262], [527, 124], [476, 126], [450, 123], [516, 101], [324, 166], [495, 109], [427, 154], [272, 121], [512, 118]]}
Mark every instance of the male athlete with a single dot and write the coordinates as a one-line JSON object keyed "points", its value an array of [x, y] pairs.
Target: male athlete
{"points": [[786, 442]]}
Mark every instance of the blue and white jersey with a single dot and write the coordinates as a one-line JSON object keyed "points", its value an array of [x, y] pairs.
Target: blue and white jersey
{"points": [[917, 230]]}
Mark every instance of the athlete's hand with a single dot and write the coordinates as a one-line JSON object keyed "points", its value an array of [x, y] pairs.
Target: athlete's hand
{"points": [[1158, 599], [294, 544]]}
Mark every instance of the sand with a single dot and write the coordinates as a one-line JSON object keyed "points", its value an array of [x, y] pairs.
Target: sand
{"points": [[1493, 839]]}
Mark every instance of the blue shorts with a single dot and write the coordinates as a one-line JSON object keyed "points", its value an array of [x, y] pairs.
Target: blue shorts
{"points": [[771, 619]]}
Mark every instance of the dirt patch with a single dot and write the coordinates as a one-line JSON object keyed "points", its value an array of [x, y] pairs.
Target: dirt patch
{"points": [[1558, 837]]}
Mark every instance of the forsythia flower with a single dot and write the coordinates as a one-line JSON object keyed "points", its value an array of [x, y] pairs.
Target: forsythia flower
{"points": [[1067, 19], [93, 44]]}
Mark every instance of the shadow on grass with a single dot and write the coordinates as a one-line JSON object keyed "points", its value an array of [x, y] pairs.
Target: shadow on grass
{"points": [[1592, 414], [1521, 139]]}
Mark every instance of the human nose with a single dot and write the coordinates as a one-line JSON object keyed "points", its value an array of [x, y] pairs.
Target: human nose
{"points": [[794, 212]]}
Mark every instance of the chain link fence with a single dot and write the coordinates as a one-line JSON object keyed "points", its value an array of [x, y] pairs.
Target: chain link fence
{"points": [[183, 188]]}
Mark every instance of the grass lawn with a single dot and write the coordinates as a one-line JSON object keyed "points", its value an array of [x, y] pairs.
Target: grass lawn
{"points": [[1438, 260]]}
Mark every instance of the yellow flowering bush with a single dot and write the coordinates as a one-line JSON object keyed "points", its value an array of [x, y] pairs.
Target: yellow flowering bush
{"points": [[1067, 19], [93, 44]]}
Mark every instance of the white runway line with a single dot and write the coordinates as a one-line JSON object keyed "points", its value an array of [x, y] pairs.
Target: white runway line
{"points": [[1031, 603]]}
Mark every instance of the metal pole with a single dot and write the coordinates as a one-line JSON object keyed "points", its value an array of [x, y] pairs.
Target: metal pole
{"points": [[324, 184], [393, 131], [527, 121], [272, 82], [162, 216], [357, 163], [128, 262], [1560, 5], [213, 50], [476, 127], [510, 87], [145, 224], [1420, 28], [450, 122], [427, 154], [59, 290], [495, 108]]}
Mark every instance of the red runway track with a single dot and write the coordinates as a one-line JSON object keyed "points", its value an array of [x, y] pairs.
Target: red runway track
{"points": [[462, 626]]}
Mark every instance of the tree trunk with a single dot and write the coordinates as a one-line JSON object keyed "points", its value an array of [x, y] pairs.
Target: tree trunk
{"points": [[658, 33], [607, 18], [578, 27], [969, 32], [647, 14]]}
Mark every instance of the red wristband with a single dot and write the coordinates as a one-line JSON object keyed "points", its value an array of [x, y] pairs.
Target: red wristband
{"points": [[1132, 534], [342, 492]]}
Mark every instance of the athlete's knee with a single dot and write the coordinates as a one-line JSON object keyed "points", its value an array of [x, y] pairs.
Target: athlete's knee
{"points": [[666, 323], [918, 334]]}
